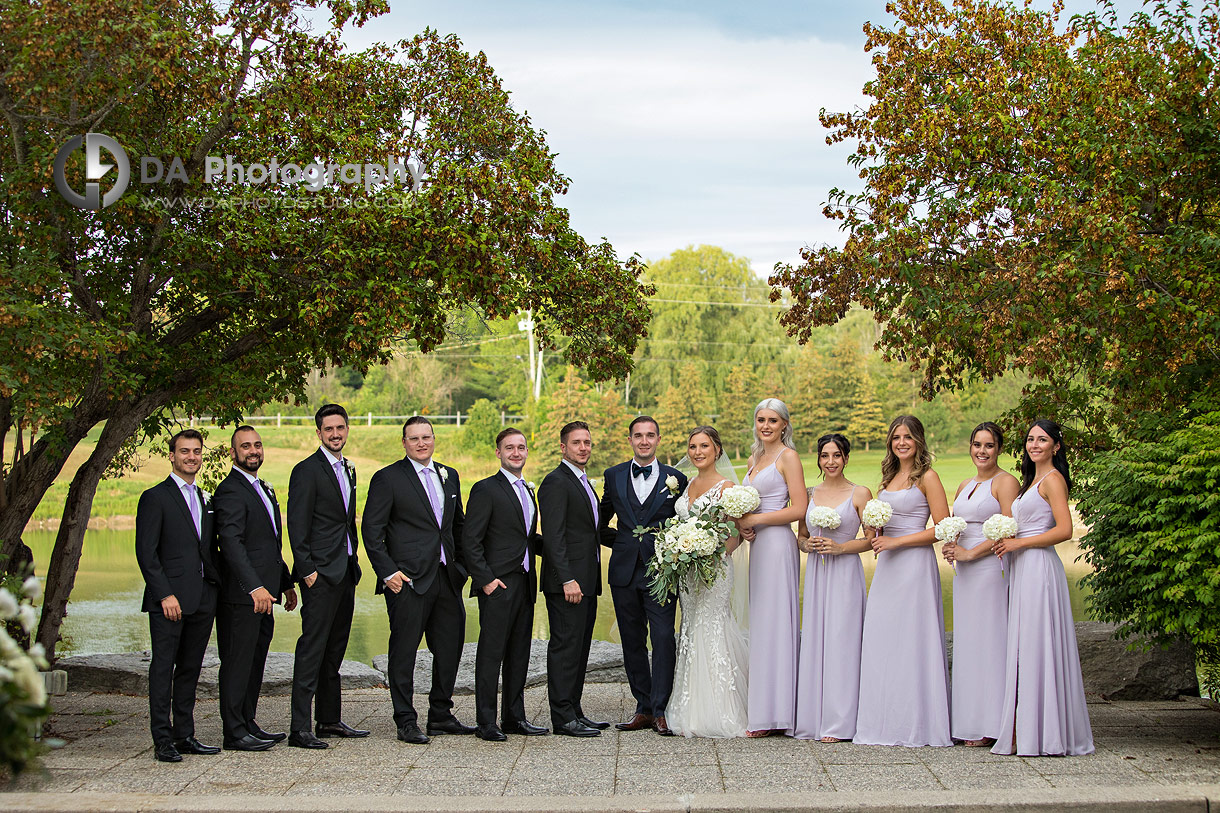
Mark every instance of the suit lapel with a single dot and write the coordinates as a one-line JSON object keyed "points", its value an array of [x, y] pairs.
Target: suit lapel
{"points": [[330, 475], [659, 492], [509, 490], [414, 483], [583, 492], [623, 485], [180, 501], [262, 506]]}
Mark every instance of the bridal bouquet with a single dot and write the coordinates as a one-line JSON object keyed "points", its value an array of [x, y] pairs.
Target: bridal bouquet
{"points": [[737, 501], [877, 513], [689, 547]]}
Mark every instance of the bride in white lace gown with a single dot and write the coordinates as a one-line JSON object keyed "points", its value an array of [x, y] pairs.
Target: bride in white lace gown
{"points": [[709, 693]]}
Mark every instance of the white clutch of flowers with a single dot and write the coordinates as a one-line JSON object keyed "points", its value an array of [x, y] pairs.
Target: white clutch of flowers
{"points": [[950, 528], [877, 513], [738, 501], [825, 518], [999, 526]]}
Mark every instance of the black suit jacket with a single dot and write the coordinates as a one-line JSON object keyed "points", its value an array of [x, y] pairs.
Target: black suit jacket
{"points": [[319, 523], [250, 544], [618, 499], [401, 533], [169, 550], [569, 534], [494, 538]]}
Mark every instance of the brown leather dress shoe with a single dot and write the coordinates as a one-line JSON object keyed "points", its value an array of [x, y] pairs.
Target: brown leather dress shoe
{"points": [[661, 727], [636, 723]]}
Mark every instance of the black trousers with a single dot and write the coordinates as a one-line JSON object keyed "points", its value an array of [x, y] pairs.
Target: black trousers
{"points": [[326, 623], [506, 623], [243, 638], [173, 673], [638, 615], [567, 654], [438, 616]]}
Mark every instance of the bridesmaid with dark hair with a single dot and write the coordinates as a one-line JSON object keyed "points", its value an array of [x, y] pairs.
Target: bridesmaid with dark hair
{"points": [[1044, 711], [904, 675], [980, 594], [828, 672]]}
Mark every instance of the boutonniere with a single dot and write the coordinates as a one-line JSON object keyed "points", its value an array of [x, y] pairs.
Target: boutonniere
{"points": [[444, 473], [270, 488], [350, 469], [530, 485], [205, 496], [671, 483]]}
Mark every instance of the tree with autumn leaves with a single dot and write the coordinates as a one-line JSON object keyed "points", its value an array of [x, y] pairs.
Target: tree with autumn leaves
{"points": [[1042, 195], [185, 298]]}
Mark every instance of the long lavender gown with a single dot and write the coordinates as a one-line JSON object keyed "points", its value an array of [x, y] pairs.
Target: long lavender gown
{"points": [[904, 675], [828, 675], [980, 623], [1043, 689], [774, 623]]}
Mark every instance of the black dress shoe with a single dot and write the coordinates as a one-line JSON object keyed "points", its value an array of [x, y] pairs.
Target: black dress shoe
{"points": [[278, 736], [593, 724], [193, 746], [248, 743], [576, 728], [491, 733], [413, 735], [450, 726], [303, 739], [166, 752], [339, 729], [524, 727]]}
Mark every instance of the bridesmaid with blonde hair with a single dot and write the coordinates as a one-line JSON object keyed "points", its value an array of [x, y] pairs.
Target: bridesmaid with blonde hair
{"points": [[775, 470], [904, 674]]}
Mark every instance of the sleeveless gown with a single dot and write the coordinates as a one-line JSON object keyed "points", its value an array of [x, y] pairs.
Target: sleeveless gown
{"points": [[774, 619], [709, 693], [904, 675], [980, 623], [1043, 688], [828, 674]]}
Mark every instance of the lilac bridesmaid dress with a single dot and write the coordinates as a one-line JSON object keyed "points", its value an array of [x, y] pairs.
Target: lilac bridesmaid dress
{"points": [[828, 675], [904, 675], [1043, 689], [980, 623], [774, 593]]}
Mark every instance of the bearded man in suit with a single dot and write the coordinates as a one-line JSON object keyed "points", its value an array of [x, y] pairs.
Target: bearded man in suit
{"points": [[412, 531], [499, 540], [175, 548], [254, 577]]}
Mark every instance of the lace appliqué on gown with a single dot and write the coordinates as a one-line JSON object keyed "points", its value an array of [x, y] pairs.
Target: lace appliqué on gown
{"points": [[710, 683]]}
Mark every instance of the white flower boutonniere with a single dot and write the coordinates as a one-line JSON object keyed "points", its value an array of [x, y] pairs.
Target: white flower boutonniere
{"points": [[671, 483], [270, 488], [530, 485], [444, 472]]}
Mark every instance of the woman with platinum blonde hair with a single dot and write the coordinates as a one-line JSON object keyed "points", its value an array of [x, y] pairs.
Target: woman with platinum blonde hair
{"points": [[775, 471]]}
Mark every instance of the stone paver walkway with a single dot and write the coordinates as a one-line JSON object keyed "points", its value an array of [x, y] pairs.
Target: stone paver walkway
{"points": [[1140, 745]]}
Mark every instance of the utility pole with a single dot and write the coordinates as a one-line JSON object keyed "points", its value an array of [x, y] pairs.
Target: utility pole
{"points": [[526, 326]]}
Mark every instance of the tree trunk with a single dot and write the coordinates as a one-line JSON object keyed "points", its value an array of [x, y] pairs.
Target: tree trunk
{"points": [[69, 542]]}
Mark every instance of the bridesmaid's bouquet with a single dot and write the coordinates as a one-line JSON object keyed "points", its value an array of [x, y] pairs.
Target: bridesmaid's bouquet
{"points": [[692, 547], [997, 527], [877, 513], [737, 501], [824, 518], [948, 530]]}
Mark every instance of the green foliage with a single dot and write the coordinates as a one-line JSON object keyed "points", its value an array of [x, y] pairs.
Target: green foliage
{"points": [[683, 406], [741, 394], [573, 399], [1153, 507], [866, 424], [480, 428]]}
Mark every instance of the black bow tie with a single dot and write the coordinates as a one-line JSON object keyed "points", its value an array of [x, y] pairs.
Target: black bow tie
{"points": [[640, 471]]}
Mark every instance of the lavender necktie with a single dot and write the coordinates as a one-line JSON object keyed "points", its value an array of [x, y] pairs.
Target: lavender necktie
{"points": [[525, 514], [434, 498], [345, 490], [592, 497], [192, 502]]}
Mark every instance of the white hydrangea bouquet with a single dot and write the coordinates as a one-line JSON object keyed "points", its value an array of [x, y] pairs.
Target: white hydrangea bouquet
{"points": [[693, 548], [877, 513], [23, 694], [823, 518], [997, 527], [948, 530]]}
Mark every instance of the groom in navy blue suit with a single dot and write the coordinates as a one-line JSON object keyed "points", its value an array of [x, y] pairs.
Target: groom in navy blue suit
{"points": [[637, 492]]}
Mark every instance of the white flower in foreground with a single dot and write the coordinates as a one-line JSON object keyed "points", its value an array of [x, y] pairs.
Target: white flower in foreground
{"points": [[28, 617], [8, 605], [32, 588]]}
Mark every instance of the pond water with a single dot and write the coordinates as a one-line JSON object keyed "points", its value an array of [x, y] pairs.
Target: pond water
{"points": [[104, 613]]}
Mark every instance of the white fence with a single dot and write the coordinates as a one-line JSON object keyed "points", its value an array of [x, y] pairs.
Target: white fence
{"points": [[368, 419]]}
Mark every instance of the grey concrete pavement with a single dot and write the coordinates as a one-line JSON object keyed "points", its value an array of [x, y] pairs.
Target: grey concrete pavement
{"points": [[1161, 755]]}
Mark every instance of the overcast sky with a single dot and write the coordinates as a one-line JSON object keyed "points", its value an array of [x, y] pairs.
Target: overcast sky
{"points": [[678, 123]]}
